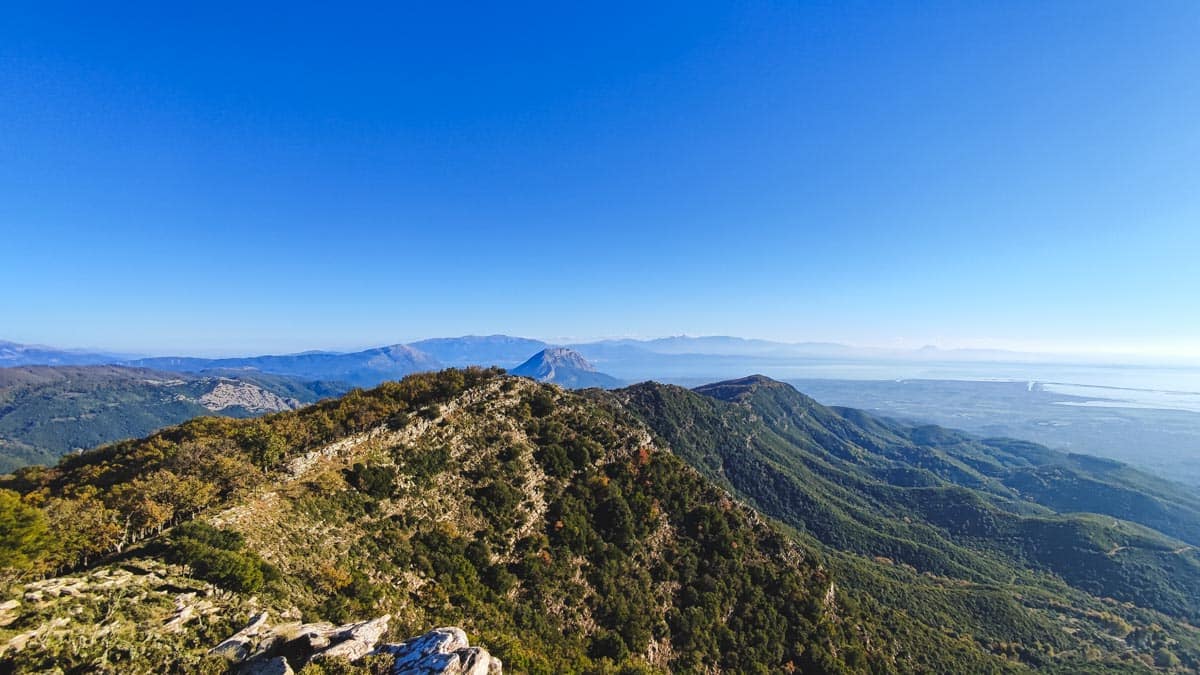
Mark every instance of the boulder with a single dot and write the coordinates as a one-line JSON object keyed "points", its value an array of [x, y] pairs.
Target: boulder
{"points": [[356, 640], [263, 650], [240, 645], [441, 651]]}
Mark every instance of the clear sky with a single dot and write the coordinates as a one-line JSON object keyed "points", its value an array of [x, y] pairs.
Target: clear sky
{"points": [[228, 179]]}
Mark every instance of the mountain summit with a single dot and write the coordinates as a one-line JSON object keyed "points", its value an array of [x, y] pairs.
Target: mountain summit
{"points": [[565, 367]]}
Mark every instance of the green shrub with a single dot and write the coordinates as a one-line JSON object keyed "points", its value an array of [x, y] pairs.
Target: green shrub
{"points": [[398, 420], [541, 403], [218, 556], [423, 466], [352, 601], [22, 529], [379, 482], [498, 503]]}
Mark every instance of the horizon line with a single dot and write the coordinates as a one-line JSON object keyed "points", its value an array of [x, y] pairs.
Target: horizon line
{"points": [[1092, 352]]}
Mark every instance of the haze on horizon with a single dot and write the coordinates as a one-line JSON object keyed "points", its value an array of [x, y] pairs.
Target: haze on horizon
{"points": [[277, 178]]}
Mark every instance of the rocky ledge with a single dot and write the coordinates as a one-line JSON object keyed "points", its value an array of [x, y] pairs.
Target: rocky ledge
{"points": [[261, 649]]}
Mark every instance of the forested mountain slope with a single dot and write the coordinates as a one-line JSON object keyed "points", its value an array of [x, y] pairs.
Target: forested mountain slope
{"points": [[549, 526], [982, 515], [46, 411], [565, 535]]}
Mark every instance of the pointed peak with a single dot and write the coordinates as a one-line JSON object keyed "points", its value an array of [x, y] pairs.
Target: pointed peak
{"points": [[562, 356], [564, 366]]}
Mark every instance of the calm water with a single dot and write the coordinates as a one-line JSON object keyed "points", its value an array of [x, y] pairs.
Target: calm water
{"points": [[1149, 378]]}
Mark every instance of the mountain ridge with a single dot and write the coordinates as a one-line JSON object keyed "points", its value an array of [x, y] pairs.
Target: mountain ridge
{"points": [[17, 354], [368, 367], [564, 529], [568, 543], [506, 350], [480, 350], [942, 502]]}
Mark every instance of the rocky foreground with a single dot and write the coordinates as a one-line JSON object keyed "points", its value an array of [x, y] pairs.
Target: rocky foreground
{"points": [[262, 649]]}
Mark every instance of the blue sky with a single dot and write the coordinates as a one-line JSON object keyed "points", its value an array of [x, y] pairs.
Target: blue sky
{"points": [[225, 179]]}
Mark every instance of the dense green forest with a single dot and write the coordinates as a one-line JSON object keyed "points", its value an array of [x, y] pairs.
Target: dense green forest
{"points": [[973, 541], [599, 532]]}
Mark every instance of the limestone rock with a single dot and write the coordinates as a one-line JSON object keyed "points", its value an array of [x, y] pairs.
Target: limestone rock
{"points": [[241, 644], [356, 640], [264, 650], [230, 393], [442, 650], [314, 637]]}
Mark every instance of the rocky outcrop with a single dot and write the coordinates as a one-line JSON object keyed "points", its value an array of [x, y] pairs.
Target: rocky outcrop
{"points": [[442, 650], [240, 645], [232, 393], [354, 641], [262, 649]]}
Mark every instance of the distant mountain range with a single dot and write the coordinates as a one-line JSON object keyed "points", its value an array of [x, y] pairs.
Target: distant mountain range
{"points": [[365, 368], [565, 367], [480, 350], [670, 358], [725, 345], [680, 360], [15, 354]]}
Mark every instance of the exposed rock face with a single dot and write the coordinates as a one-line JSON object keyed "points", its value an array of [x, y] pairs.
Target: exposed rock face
{"points": [[230, 393], [561, 357], [356, 640], [564, 367], [442, 650], [240, 645], [280, 650]]}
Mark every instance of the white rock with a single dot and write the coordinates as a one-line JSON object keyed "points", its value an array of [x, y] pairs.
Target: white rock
{"points": [[240, 645], [356, 640], [443, 651], [184, 615]]}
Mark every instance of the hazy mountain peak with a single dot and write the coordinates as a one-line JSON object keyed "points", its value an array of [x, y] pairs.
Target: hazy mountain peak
{"points": [[562, 356], [480, 350], [401, 351], [17, 354], [565, 367]]}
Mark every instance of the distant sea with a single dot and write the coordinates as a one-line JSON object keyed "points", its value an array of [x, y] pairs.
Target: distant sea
{"points": [[1134, 377]]}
